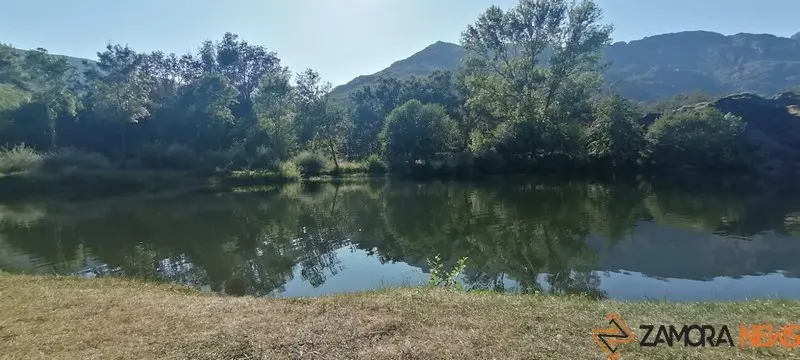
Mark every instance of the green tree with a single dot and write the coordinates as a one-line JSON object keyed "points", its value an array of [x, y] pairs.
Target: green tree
{"points": [[367, 115], [320, 120], [371, 104], [118, 90], [11, 68], [244, 65], [53, 82], [700, 137], [208, 103], [274, 108], [615, 136], [415, 131], [534, 66]]}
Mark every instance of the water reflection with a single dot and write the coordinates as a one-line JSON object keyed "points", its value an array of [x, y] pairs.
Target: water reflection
{"points": [[605, 240]]}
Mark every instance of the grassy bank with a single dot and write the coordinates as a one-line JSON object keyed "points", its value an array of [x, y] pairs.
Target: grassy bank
{"points": [[69, 318], [67, 173], [85, 185]]}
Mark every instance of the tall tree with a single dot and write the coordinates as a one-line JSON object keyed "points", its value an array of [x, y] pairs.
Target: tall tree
{"points": [[615, 136], [118, 90], [275, 109], [207, 103], [54, 83], [525, 63], [320, 120], [416, 131]]}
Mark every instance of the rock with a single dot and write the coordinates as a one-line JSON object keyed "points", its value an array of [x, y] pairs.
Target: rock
{"points": [[649, 118]]}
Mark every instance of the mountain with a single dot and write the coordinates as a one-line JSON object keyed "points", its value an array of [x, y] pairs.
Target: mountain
{"points": [[655, 67], [439, 56], [77, 63]]}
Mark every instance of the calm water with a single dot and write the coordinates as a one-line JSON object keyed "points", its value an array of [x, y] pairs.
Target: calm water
{"points": [[623, 241]]}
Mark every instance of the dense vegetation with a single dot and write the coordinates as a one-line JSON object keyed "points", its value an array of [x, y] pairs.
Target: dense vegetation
{"points": [[529, 97]]}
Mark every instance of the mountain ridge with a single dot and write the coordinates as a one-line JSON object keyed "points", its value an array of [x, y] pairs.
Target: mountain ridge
{"points": [[647, 69], [654, 67]]}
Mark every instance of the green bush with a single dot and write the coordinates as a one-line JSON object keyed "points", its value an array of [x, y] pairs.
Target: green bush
{"points": [[350, 168], [310, 164], [266, 158], [69, 160], [172, 157], [20, 159], [374, 165], [699, 138], [414, 131], [289, 170], [488, 161], [219, 159]]}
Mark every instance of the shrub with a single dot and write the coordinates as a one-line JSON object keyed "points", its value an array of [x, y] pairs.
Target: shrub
{"points": [[172, 157], [414, 131], [350, 168], [374, 165], [703, 138], [289, 170], [69, 160], [445, 279], [219, 159], [489, 161], [310, 164], [615, 137], [266, 158], [20, 159]]}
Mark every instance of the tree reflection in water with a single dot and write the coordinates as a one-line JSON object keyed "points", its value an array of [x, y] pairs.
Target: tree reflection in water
{"points": [[540, 236]]}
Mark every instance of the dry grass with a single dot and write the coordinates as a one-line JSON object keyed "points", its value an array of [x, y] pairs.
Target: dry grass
{"points": [[69, 318]]}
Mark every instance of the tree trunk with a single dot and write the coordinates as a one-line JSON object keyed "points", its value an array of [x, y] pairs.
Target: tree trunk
{"points": [[124, 144], [52, 128], [333, 155]]}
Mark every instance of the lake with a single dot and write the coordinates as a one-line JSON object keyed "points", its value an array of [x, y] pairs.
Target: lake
{"points": [[631, 240]]}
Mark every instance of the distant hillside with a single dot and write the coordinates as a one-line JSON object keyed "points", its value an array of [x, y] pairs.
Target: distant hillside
{"points": [[656, 67], [439, 56], [77, 63]]}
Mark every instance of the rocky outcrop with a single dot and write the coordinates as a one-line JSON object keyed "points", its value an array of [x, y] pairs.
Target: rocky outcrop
{"points": [[773, 128], [649, 118]]}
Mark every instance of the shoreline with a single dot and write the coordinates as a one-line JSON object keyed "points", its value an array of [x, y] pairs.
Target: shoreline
{"points": [[87, 185], [71, 318], [98, 184]]}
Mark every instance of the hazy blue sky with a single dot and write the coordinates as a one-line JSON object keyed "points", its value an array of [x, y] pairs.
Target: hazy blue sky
{"points": [[340, 38]]}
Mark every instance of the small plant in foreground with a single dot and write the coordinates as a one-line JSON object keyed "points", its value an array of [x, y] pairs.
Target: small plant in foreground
{"points": [[445, 279]]}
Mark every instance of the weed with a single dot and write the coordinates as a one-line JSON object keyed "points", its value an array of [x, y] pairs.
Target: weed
{"points": [[446, 279]]}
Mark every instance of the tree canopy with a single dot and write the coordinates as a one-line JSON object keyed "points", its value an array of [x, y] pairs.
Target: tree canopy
{"points": [[527, 95]]}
